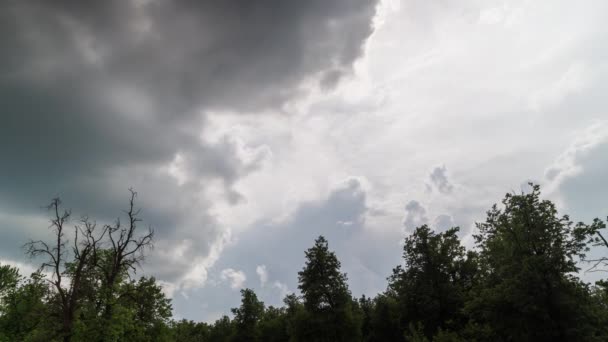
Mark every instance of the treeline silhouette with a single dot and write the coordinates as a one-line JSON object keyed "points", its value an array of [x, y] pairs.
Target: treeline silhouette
{"points": [[519, 283]]}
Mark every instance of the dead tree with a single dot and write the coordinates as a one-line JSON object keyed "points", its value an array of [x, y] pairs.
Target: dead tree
{"points": [[125, 252], [109, 254], [597, 239], [85, 244]]}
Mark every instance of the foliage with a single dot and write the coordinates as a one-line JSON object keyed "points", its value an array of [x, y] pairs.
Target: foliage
{"points": [[189, 331], [247, 317], [24, 311], [519, 283], [431, 288], [528, 291], [328, 313]]}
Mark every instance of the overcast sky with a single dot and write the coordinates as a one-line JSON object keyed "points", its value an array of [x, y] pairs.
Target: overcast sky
{"points": [[248, 128]]}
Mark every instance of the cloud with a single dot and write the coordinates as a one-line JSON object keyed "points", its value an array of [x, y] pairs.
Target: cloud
{"points": [[443, 222], [363, 252], [415, 215], [241, 124], [101, 97], [262, 273], [568, 163], [283, 289], [24, 269], [235, 278], [225, 54], [574, 80], [440, 181], [576, 178]]}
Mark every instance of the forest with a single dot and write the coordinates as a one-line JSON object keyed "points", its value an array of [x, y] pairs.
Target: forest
{"points": [[520, 282]]}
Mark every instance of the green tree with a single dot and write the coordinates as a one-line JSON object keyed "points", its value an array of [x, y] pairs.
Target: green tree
{"points": [[386, 319], [190, 331], [329, 314], [247, 317], [366, 307], [149, 308], [9, 279], [9, 282], [322, 284], [529, 291], [68, 266], [222, 330], [432, 286], [294, 312], [25, 313], [142, 313], [124, 252], [89, 272], [273, 326]]}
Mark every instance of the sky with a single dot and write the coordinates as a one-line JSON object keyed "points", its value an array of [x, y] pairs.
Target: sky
{"points": [[248, 128]]}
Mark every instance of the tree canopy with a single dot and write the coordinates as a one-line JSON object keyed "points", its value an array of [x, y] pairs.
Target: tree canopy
{"points": [[519, 282]]}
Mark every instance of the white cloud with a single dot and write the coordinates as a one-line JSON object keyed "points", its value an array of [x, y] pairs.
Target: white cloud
{"points": [[568, 163], [262, 273], [282, 288], [235, 278], [574, 79], [24, 268], [488, 89]]}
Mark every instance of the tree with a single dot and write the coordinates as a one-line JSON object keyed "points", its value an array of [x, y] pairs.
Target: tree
{"points": [[125, 251], [190, 331], [144, 310], [519, 284], [322, 284], [597, 239], [366, 307], [86, 274], [9, 279], [327, 301], [247, 317], [386, 319], [25, 313], [67, 295], [222, 330], [528, 291], [274, 325], [431, 288], [294, 312]]}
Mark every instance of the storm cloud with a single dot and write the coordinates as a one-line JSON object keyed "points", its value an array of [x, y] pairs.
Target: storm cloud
{"points": [[101, 96], [245, 125]]}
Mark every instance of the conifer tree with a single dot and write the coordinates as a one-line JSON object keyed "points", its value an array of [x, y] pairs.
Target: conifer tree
{"points": [[327, 299]]}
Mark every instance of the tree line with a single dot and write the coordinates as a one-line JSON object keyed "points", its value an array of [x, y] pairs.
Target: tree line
{"points": [[520, 282]]}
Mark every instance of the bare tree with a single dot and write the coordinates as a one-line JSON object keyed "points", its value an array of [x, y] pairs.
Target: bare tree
{"points": [[112, 252], [86, 242], [598, 239], [125, 252]]}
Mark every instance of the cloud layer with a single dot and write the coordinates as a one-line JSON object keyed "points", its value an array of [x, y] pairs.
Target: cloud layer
{"points": [[251, 127], [99, 97]]}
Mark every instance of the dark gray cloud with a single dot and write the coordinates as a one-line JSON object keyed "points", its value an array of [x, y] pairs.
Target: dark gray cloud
{"points": [[230, 54], [100, 96], [439, 179]]}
